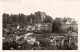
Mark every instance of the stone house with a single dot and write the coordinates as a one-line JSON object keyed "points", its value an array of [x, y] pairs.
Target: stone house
{"points": [[57, 39]]}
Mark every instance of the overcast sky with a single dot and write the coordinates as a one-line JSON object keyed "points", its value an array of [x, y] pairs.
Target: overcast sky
{"points": [[54, 8]]}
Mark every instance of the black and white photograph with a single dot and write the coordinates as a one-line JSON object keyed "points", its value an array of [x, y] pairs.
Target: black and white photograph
{"points": [[40, 24]]}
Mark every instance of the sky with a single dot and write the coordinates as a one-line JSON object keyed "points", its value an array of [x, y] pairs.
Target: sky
{"points": [[54, 8]]}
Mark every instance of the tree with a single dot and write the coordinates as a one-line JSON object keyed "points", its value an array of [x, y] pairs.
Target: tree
{"points": [[22, 19], [15, 19], [48, 19], [56, 27], [5, 18], [65, 20], [31, 18]]}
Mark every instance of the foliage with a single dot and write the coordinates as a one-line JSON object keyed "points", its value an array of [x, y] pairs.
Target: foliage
{"points": [[56, 27], [25, 19]]}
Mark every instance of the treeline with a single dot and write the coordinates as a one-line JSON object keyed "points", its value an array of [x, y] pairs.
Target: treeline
{"points": [[26, 19]]}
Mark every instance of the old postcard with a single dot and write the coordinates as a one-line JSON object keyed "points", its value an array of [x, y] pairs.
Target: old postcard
{"points": [[41, 25]]}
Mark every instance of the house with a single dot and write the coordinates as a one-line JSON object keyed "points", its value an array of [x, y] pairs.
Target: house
{"points": [[44, 26], [18, 26], [73, 38], [5, 30], [26, 35], [10, 38], [17, 38], [30, 27], [57, 39], [30, 40], [70, 23], [20, 39]]}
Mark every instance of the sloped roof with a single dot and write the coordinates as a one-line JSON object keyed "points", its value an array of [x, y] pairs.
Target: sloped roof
{"points": [[68, 22], [73, 34], [54, 34]]}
